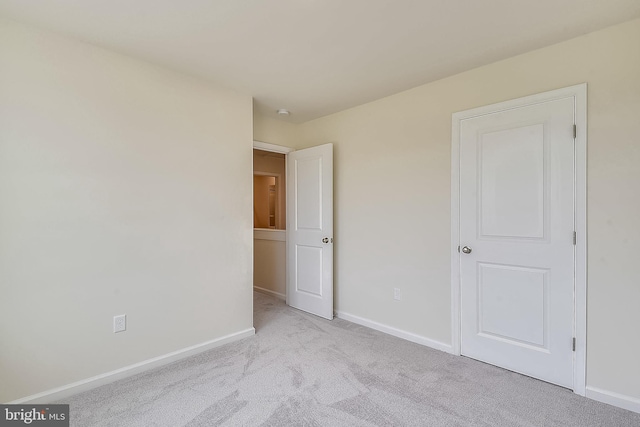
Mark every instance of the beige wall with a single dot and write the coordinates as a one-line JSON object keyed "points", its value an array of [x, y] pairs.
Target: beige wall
{"points": [[269, 261], [392, 193], [266, 129], [124, 188]]}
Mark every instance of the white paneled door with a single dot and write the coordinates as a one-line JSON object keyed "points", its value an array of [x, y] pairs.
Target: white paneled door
{"points": [[517, 239], [310, 230]]}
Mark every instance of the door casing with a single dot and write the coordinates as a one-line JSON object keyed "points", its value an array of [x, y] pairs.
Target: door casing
{"points": [[579, 94]]}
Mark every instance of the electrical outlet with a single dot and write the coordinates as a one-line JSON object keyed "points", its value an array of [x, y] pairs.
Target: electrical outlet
{"points": [[397, 295], [120, 323]]}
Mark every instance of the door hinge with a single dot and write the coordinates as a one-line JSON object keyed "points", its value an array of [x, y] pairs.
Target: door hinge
{"points": [[575, 131], [575, 238], [574, 344]]}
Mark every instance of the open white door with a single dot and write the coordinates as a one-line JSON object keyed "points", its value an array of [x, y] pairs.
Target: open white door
{"points": [[310, 230]]}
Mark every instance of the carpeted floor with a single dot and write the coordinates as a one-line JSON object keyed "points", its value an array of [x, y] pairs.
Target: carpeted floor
{"points": [[305, 371]]}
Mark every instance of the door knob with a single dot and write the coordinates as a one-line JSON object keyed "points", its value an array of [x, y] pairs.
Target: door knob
{"points": [[466, 249], [325, 240]]}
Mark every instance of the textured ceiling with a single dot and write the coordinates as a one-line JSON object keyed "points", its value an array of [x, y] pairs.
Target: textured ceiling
{"points": [[316, 57]]}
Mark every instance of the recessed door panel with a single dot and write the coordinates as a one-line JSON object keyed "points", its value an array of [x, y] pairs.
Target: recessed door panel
{"points": [[512, 182], [309, 271], [512, 303], [308, 187]]}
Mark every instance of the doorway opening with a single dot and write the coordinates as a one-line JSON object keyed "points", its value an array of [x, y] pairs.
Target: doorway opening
{"points": [[297, 258], [269, 222]]}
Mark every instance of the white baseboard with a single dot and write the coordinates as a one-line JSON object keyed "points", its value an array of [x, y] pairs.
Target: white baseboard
{"points": [[61, 393], [409, 336], [283, 297], [616, 399]]}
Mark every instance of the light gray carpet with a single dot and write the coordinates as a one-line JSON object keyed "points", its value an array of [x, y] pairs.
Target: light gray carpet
{"points": [[305, 371]]}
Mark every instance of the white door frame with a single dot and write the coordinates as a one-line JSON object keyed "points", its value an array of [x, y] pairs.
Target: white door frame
{"points": [[265, 146], [579, 93]]}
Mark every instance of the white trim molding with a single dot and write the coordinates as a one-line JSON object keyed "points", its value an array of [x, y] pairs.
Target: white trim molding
{"points": [[266, 291], [579, 94], [580, 224], [61, 393], [409, 336], [265, 146], [616, 399]]}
